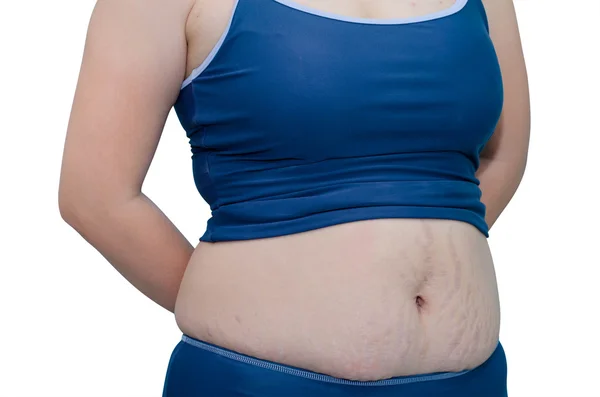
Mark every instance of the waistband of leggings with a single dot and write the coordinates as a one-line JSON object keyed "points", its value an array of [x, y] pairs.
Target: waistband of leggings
{"points": [[294, 371]]}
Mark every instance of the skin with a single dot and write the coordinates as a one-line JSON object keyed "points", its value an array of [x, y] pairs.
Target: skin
{"points": [[352, 300]]}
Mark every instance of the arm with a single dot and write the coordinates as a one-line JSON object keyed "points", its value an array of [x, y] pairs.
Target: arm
{"points": [[132, 69], [504, 157]]}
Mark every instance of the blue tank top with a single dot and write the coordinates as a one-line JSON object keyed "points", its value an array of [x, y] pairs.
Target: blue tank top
{"points": [[300, 119]]}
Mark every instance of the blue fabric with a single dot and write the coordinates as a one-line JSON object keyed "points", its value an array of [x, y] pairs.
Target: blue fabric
{"points": [[301, 121], [200, 369]]}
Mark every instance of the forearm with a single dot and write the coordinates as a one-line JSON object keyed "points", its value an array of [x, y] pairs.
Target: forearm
{"points": [[137, 238], [499, 181]]}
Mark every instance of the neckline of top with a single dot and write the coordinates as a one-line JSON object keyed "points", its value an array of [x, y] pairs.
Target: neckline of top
{"points": [[454, 8]]}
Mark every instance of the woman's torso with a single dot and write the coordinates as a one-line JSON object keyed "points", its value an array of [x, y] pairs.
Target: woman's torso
{"points": [[361, 300]]}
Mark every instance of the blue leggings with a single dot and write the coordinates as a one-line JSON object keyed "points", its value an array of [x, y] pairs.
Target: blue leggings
{"points": [[200, 369]]}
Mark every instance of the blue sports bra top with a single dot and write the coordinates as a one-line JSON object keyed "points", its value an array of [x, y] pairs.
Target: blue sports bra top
{"points": [[300, 119]]}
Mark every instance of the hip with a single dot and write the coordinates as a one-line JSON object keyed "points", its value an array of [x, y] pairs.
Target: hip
{"points": [[363, 300], [198, 368]]}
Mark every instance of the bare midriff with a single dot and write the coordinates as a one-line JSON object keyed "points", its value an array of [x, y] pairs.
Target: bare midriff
{"points": [[362, 300]]}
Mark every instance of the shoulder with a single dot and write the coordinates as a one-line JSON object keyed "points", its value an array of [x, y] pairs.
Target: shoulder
{"points": [[171, 10], [501, 15], [505, 35]]}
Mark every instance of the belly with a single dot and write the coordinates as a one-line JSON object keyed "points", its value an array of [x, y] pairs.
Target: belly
{"points": [[363, 300]]}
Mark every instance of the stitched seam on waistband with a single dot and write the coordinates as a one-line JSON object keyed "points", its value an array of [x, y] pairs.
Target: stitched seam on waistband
{"points": [[314, 375]]}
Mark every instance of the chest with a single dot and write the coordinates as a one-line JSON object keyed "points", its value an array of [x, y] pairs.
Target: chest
{"points": [[288, 81], [209, 18]]}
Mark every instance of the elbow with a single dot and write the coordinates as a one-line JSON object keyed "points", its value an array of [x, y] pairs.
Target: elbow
{"points": [[513, 164], [520, 165], [72, 210], [65, 204], [82, 205], [78, 209], [87, 198], [68, 212]]}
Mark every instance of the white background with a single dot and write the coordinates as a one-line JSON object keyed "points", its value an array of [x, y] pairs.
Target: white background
{"points": [[72, 326]]}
